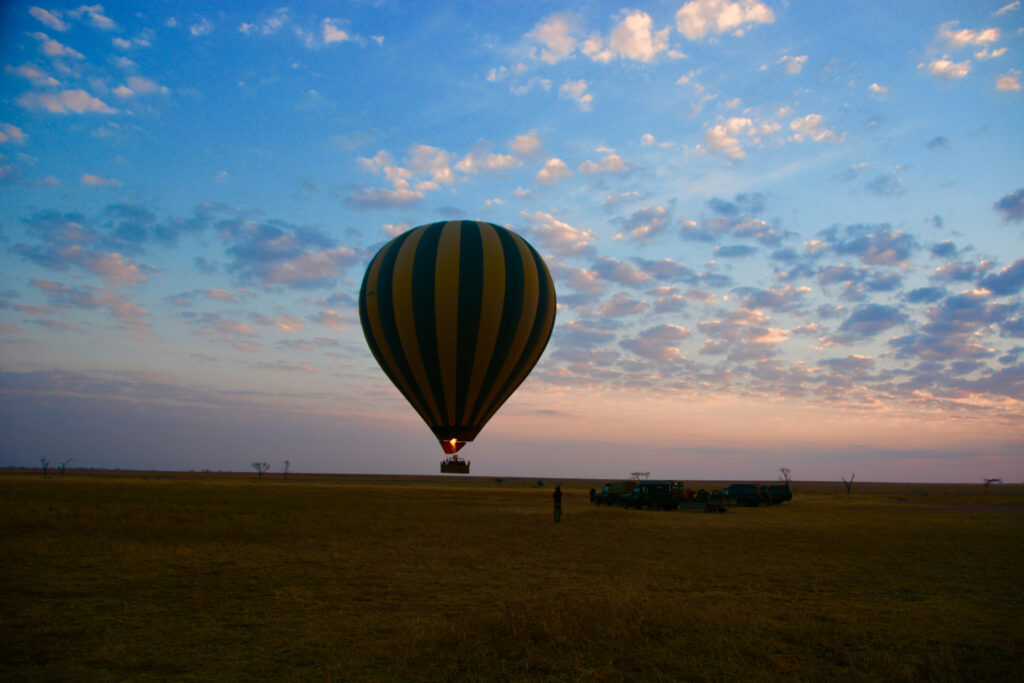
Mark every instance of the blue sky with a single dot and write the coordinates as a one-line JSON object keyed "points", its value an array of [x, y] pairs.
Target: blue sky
{"points": [[782, 233]]}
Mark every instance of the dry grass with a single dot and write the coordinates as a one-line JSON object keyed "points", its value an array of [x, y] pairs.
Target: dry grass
{"points": [[359, 578]]}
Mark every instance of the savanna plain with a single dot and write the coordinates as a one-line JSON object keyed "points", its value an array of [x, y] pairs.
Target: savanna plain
{"points": [[207, 576]]}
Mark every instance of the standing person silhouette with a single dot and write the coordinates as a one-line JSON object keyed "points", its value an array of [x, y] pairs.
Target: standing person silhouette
{"points": [[557, 496]]}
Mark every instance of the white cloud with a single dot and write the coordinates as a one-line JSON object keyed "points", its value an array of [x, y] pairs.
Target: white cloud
{"points": [[878, 90], [659, 344], [395, 229], [1015, 5], [139, 85], [99, 181], [52, 20], [698, 18], [272, 25], [594, 48], [94, 15], [318, 265], [144, 85], [724, 138], [52, 48], [330, 319], [1008, 83], [308, 38], [381, 161], [112, 267], [611, 163], [77, 101], [553, 171], [11, 133], [484, 161], [946, 69], [201, 28], [621, 304], [376, 198], [990, 54], [432, 161], [577, 91], [34, 74], [617, 271], [121, 43], [645, 224], [793, 65], [333, 34], [811, 126], [633, 38], [966, 36], [403, 193], [555, 34], [560, 237], [526, 145], [543, 83]]}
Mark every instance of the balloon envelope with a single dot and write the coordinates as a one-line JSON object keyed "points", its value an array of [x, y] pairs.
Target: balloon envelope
{"points": [[457, 313]]}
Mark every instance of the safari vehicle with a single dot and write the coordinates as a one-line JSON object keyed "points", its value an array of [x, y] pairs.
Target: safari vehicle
{"points": [[742, 495], [703, 500], [656, 495], [776, 493], [611, 492]]}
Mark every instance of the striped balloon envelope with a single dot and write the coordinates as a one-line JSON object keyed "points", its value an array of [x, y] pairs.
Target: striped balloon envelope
{"points": [[457, 313]]}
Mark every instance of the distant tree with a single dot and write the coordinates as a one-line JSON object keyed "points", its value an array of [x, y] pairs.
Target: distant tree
{"points": [[992, 481], [640, 475], [499, 481], [786, 475], [46, 465], [260, 468], [848, 484], [287, 464], [65, 464]]}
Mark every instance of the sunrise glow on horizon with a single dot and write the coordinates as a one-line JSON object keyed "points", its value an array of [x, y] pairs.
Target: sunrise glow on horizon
{"points": [[782, 234]]}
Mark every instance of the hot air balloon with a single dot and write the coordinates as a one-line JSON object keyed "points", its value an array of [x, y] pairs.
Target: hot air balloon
{"points": [[457, 313]]}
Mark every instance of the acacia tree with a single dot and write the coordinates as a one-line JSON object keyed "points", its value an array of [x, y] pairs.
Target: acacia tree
{"points": [[996, 480], [64, 464], [785, 477], [46, 465], [260, 468], [848, 484], [640, 475]]}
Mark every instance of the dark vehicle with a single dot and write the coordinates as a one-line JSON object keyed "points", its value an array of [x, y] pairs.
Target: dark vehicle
{"points": [[656, 495], [703, 500], [778, 493], [742, 495], [611, 492]]}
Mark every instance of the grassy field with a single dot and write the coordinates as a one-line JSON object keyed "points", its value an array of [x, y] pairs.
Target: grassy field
{"points": [[140, 576]]}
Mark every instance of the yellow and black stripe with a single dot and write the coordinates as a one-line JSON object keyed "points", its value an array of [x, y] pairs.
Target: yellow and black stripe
{"points": [[457, 313]]}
